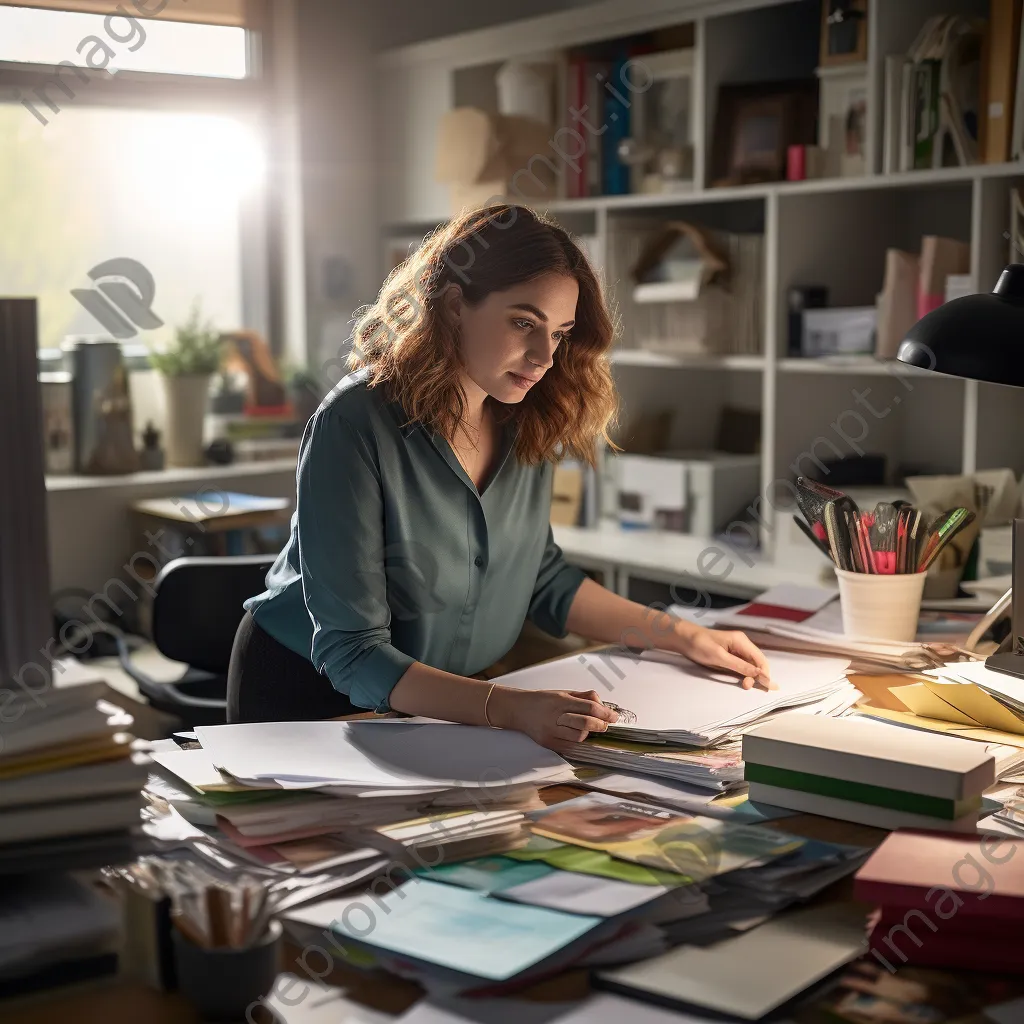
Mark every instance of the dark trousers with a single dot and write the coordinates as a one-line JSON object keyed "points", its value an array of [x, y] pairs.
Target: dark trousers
{"points": [[268, 682]]}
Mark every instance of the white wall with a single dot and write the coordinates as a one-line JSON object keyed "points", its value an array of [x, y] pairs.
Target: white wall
{"points": [[337, 41]]}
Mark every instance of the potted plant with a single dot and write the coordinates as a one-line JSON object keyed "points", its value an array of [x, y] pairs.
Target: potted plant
{"points": [[186, 367]]}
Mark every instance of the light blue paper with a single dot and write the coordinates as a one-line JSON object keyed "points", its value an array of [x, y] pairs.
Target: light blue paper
{"points": [[461, 929]]}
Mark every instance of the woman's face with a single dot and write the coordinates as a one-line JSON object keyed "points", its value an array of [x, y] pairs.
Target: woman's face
{"points": [[508, 341]]}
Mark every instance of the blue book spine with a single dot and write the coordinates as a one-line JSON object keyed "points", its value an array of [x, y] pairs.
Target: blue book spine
{"points": [[617, 102]]}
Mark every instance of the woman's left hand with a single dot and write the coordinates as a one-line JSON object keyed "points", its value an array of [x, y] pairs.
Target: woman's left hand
{"points": [[729, 650]]}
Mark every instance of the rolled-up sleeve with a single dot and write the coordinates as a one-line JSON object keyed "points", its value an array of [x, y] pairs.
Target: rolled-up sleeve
{"points": [[340, 528], [553, 593]]}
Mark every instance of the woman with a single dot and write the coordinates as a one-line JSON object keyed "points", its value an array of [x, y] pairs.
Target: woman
{"points": [[420, 541]]}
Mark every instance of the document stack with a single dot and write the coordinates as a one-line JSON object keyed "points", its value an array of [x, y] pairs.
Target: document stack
{"points": [[70, 799], [602, 881], [315, 808], [945, 901], [70, 787], [680, 721], [863, 771]]}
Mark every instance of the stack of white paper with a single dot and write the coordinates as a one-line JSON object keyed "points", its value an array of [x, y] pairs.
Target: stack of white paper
{"points": [[371, 756], [675, 701], [319, 803]]}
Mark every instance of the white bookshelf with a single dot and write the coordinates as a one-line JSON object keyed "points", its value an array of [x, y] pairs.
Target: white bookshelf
{"points": [[825, 231]]}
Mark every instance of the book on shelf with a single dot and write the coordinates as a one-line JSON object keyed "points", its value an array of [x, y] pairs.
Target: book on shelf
{"points": [[999, 76]]}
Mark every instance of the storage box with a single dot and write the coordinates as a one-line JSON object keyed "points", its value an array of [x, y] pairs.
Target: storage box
{"points": [[690, 492], [485, 157], [832, 332]]}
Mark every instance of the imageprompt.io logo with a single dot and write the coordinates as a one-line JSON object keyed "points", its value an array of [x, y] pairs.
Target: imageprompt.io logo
{"points": [[123, 297]]}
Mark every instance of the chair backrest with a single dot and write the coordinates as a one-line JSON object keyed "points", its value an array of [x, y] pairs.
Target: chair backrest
{"points": [[198, 606]]}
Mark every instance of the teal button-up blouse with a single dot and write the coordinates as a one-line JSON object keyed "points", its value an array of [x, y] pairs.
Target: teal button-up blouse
{"points": [[395, 557]]}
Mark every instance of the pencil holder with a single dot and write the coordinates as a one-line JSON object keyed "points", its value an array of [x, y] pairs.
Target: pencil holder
{"points": [[881, 607], [222, 983]]}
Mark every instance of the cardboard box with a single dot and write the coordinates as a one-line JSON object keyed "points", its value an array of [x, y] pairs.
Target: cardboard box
{"points": [[689, 492], [486, 158]]}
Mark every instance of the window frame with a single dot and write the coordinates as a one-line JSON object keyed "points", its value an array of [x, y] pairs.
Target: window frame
{"points": [[252, 99]]}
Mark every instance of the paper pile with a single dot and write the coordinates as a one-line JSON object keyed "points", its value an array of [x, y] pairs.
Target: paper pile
{"points": [[318, 807], [69, 784], [69, 800], [676, 701], [807, 620], [603, 881]]}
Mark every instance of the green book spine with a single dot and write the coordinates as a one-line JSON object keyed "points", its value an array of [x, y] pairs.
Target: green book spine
{"points": [[926, 105], [861, 792]]}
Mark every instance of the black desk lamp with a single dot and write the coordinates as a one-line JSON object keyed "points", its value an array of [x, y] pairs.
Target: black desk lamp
{"points": [[981, 337]]}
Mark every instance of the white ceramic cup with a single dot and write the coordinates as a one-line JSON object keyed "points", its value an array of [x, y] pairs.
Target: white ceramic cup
{"points": [[881, 607]]}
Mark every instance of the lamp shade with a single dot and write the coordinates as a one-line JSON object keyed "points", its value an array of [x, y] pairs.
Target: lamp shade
{"points": [[980, 337]]}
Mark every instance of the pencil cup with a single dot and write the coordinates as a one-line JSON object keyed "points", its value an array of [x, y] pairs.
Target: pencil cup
{"points": [[222, 983], [882, 607]]}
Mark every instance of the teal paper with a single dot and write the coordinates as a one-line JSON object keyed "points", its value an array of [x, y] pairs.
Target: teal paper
{"points": [[461, 929]]}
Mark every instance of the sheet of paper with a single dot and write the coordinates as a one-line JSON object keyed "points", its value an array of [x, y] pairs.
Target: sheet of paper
{"points": [[675, 794], [574, 893], [451, 927], [195, 769], [371, 756], [777, 960], [668, 693], [609, 1009]]}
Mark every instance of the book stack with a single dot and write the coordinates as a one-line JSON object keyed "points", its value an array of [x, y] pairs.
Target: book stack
{"points": [[866, 772], [70, 800], [945, 901], [70, 786]]}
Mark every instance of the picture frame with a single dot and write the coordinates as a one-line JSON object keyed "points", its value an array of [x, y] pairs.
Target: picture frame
{"points": [[662, 128], [844, 32], [755, 124]]}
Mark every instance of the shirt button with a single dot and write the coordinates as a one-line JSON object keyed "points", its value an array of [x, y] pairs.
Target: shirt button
{"points": [[478, 561]]}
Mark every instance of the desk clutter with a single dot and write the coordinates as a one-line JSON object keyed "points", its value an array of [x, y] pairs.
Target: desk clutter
{"points": [[663, 857]]}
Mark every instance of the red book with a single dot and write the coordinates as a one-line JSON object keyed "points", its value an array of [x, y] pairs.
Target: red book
{"points": [[576, 89], [945, 876], [910, 940]]}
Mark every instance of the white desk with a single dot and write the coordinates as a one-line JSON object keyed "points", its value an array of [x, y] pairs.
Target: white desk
{"points": [[678, 559]]}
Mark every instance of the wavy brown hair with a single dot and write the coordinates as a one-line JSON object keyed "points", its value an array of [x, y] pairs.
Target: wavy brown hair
{"points": [[412, 348]]}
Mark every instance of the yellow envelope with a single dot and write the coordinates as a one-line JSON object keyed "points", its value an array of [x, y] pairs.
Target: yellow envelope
{"points": [[924, 702], [974, 702], [950, 728]]}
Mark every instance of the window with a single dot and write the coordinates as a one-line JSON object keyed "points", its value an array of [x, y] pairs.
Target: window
{"points": [[179, 193], [120, 42]]}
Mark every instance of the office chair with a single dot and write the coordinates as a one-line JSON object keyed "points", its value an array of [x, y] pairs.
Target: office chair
{"points": [[197, 606]]}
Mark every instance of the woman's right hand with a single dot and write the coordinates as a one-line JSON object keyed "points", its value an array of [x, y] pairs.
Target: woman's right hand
{"points": [[550, 717]]}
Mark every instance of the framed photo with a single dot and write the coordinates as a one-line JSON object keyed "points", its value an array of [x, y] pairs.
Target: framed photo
{"points": [[843, 119], [662, 123], [755, 124], [844, 32]]}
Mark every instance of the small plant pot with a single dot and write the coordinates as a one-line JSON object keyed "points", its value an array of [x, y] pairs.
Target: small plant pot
{"points": [[187, 399]]}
